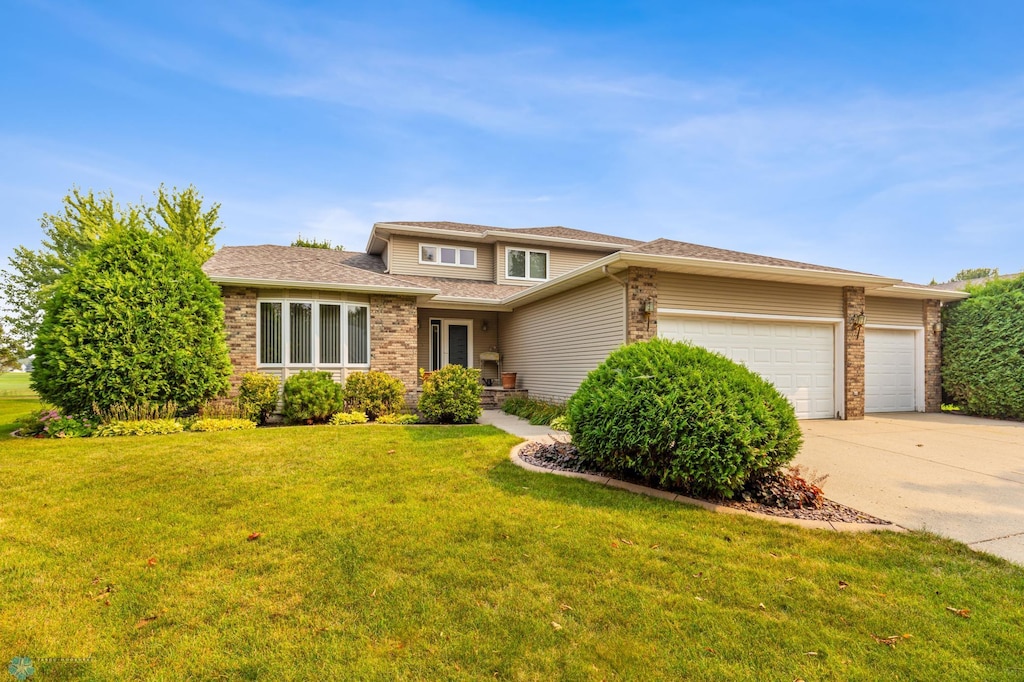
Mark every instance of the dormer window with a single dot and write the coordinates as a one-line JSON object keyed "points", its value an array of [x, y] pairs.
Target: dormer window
{"points": [[526, 264], [435, 254]]}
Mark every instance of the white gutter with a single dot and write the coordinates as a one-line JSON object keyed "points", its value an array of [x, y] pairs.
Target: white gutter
{"points": [[330, 286]]}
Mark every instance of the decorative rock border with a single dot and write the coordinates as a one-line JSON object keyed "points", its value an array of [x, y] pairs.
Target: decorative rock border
{"points": [[841, 527]]}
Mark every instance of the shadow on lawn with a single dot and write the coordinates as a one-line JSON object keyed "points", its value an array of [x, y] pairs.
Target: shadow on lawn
{"points": [[515, 481]]}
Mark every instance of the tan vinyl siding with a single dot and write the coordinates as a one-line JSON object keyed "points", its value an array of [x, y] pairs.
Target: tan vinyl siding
{"points": [[721, 294], [552, 344], [560, 261], [404, 259], [483, 341], [896, 311]]}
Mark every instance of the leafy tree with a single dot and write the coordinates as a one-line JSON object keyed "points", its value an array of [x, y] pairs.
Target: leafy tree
{"points": [[84, 219], [179, 214], [316, 244], [11, 351], [974, 273], [134, 322], [983, 350]]}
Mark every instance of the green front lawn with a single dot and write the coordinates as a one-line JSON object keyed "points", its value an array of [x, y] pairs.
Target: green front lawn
{"points": [[423, 553]]}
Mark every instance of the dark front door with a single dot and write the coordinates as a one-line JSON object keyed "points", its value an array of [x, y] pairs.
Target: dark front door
{"points": [[458, 345]]}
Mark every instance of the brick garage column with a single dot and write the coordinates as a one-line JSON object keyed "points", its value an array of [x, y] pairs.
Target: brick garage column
{"points": [[853, 304], [932, 357], [393, 337], [641, 286], [240, 325]]}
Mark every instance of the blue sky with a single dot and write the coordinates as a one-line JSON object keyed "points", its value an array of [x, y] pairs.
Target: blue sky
{"points": [[885, 137]]}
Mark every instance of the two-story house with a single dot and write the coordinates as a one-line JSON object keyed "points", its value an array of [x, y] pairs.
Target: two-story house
{"points": [[550, 303]]}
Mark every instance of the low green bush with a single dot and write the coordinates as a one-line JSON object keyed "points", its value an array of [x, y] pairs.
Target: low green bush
{"points": [[560, 423], [345, 418], [140, 427], [682, 417], [258, 395], [50, 423], [983, 350], [398, 419], [311, 397], [210, 424], [374, 393], [537, 412], [451, 396]]}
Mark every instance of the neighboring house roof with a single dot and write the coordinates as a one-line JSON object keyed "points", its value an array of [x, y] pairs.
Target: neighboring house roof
{"points": [[270, 265], [669, 247], [963, 284]]}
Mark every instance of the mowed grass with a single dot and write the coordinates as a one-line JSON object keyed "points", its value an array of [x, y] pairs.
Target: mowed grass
{"points": [[16, 400], [423, 553]]}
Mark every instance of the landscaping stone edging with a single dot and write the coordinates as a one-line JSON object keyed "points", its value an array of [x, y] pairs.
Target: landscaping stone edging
{"points": [[840, 527]]}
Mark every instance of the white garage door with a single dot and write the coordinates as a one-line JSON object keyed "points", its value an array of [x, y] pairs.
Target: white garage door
{"points": [[889, 370], [798, 358]]}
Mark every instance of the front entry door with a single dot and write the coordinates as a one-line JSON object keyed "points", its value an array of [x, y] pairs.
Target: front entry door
{"points": [[457, 342], [458, 345]]}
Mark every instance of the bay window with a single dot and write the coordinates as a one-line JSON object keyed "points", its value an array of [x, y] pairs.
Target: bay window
{"points": [[313, 333]]}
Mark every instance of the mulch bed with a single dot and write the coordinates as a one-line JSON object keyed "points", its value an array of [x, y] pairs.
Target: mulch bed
{"points": [[565, 457]]}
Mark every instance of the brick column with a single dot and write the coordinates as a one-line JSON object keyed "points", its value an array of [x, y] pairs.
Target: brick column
{"points": [[240, 326], [932, 357], [641, 286], [393, 337], [853, 304]]}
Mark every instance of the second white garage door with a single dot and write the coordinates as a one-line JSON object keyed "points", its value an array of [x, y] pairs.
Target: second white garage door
{"points": [[799, 358], [890, 383]]}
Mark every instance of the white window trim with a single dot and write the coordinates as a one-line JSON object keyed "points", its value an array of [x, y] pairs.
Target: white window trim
{"points": [[419, 255], [286, 334], [547, 264]]}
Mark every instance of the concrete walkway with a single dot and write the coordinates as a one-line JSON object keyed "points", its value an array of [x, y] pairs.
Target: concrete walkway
{"points": [[520, 427], [961, 477]]}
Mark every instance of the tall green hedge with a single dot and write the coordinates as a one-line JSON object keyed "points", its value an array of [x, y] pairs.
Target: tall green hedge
{"points": [[983, 350], [134, 321]]}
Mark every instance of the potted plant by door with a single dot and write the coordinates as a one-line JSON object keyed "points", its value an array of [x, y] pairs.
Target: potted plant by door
{"points": [[508, 380]]}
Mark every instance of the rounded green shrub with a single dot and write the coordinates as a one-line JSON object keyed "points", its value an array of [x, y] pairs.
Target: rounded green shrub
{"points": [[375, 393], [983, 350], [451, 396], [682, 417], [134, 321], [258, 395], [311, 397]]}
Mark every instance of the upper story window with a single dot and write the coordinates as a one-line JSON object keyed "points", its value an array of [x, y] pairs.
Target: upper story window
{"points": [[526, 264], [434, 254]]}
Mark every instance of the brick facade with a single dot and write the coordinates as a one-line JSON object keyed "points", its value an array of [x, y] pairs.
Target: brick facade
{"points": [[393, 337], [932, 356], [641, 286], [853, 305], [240, 325]]}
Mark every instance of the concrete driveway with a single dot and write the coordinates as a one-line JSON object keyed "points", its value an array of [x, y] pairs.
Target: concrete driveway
{"points": [[961, 477]]}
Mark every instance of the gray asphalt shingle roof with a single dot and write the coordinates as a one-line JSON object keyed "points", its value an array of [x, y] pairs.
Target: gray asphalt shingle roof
{"points": [[669, 247]]}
